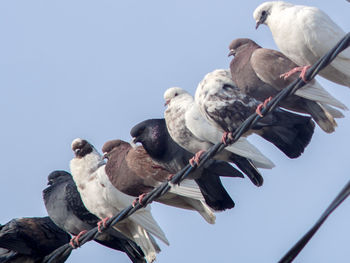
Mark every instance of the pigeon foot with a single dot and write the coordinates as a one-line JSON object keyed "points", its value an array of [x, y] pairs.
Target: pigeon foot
{"points": [[102, 223], [262, 105], [196, 158], [74, 242], [226, 138], [294, 70], [139, 200]]}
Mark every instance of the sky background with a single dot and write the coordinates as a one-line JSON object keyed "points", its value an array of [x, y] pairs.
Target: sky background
{"points": [[93, 69]]}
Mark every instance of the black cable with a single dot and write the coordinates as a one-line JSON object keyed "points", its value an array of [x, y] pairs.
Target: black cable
{"points": [[244, 127], [295, 250]]}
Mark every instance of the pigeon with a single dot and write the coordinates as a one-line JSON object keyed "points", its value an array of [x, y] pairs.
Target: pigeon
{"points": [[155, 139], [66, 209], [304, 34], [226, 107], [103, 200], [30, 239], [256, 72], [188, 128], [132, 171]]}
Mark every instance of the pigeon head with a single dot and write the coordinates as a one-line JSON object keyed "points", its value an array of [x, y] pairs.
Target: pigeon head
{"points": [[81, 147], [216, 80], [109, 147], [173, 92], [152, 134], [263, 12], [58, 176], [240, 44]]}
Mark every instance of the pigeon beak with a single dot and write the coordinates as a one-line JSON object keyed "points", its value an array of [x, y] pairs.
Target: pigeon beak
{"points": [[133, 142], [258, 23], [167, 103], [77, 151], [231, 53]]}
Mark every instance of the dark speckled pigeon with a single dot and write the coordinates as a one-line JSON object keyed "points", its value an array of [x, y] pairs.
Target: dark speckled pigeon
{"points": [[29, 240]]}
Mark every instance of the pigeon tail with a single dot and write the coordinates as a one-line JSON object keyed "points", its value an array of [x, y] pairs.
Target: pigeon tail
{"points": [[214, 192], [248, 168], [203, 210], [322, 117], [289, 132], [147, 243], [133, 251]]}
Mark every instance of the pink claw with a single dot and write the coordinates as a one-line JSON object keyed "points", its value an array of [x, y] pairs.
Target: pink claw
{"points": [[139, 199], [102, 223], [74, 242], [294, 70], [171, 177], [258, 109], [196, 158], [224, 137]]}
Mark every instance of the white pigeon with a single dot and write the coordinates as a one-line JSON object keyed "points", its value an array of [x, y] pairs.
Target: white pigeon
{"points": [[190, 130], [103, 200], [304, 34]]}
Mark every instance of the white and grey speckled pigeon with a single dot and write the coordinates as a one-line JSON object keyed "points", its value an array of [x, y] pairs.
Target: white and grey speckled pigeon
{"points": [[102, 199], [304, 34], [226, 107]]}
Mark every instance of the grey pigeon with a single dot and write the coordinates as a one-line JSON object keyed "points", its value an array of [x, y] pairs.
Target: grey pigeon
{"points": [[103, 200], [29, 240], [226, 107], [189, 128], [304, 34], [155, 139], [256, 72], [132, 171], [66, 209]]}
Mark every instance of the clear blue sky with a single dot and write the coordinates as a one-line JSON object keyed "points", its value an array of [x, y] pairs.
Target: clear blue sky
{"points": [[93, 69]]}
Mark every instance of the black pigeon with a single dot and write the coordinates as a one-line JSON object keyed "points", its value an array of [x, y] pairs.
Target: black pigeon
{"points": [[65, 207], [29, 240], [156, 140]]}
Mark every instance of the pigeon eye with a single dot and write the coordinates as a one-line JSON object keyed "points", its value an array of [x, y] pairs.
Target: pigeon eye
{"points": [[176, 94], [227, 87], [263, 13]]}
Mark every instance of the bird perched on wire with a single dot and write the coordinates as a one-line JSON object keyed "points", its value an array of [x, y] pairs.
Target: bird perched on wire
{"points": [[66, 209], [155, 139], [256, 72], [226, 107], [102, 199], [192, 131], [304, 34], [30, 239], [132, 171]]}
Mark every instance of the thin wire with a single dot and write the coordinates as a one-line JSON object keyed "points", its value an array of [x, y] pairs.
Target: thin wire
{"points": [[244, 127], [295, 250]]}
